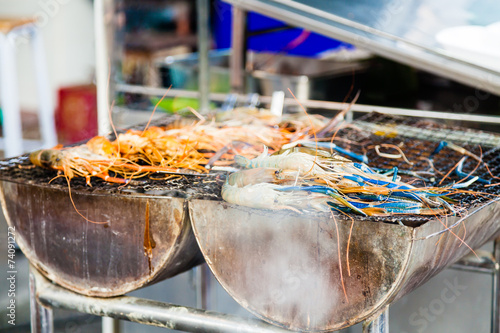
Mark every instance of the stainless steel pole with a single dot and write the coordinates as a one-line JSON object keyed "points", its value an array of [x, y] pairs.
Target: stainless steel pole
{"points": [[110, 325], [147, 312], [203, 11], [495, 306], [204, 288], [238, 49], [379, 324], [102, 25], [41, 317]]}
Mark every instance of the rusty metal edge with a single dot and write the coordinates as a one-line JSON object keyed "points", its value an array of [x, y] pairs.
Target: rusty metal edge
{"points": [[83, 191]]}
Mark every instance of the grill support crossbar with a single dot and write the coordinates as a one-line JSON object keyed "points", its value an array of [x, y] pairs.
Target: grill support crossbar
{"points": [[45, 296]]}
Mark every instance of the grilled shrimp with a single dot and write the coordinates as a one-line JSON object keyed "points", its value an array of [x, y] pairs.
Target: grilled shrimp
{"points": [[77, 161]]}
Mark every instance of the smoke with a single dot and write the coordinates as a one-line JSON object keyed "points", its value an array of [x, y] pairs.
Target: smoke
{"points": [[296, 281]]}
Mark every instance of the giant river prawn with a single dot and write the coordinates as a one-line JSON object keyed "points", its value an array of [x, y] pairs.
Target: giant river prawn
{"points": [[306, 172]]}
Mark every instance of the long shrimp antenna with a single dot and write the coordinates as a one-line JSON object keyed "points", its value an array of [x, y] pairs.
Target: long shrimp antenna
{"points": [[475, 168], [451, 170], [307, 114], [340, 258], [491, 174], [197, 114], [74, 206], [110, 110], [114, 129], [348, 240], [393, 156], [150, 118], [462, 240], [351, 88], [338, 118], [154, 110], [465, 233]]}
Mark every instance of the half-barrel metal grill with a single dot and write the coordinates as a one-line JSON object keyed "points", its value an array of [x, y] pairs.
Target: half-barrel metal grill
{"points": [[282, 266]]}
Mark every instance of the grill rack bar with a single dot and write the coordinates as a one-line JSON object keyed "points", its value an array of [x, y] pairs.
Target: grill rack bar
{"points": [[470, 138]]}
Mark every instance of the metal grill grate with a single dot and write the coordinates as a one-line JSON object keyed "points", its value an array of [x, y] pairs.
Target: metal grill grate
{"points": [[417, 138]]}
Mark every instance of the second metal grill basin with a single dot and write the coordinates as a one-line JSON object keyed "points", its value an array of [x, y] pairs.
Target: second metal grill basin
{"points": [[284, 267]]}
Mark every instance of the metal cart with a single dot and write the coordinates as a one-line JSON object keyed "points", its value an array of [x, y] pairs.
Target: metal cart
{"points": [[385, 40]]}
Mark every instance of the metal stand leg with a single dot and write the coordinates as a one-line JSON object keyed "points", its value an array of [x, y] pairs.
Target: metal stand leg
{"points": [[379, 324], [238, 50], [41, 317], [12, 130], [148, 312], [495, 306], [203, 11], [103, 9], [110, 325], [204, 288]]}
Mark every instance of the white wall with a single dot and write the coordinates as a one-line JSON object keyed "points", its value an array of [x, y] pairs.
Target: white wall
{"points": [[67, 28]]}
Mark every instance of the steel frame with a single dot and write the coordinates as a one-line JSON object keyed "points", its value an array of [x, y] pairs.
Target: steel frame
{"points": [[44, 296]]}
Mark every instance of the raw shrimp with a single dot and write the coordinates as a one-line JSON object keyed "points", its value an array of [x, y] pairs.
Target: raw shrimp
{"points": [[341, 184], [260, 188]]}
